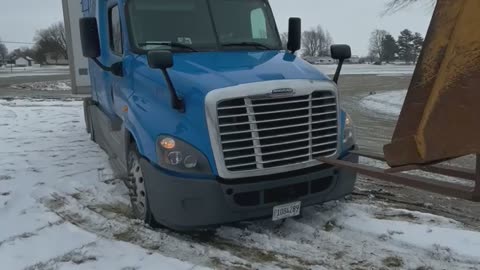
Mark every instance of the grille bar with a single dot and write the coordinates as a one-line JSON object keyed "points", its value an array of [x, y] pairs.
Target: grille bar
{"points": [[281, 151], [282, 143], [282, 127], [282, 119], [278, 136], [272, 104], [257, 133], [278, 111], [269, 153]]}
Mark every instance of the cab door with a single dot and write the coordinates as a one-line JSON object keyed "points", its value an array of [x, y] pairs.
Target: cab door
{"points": [[118, 88]]}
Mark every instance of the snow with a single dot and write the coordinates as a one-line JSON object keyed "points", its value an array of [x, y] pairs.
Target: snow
{"points": [[62, 208], [389, 102], [367, 69], [6, 72], [64, 85], [44, 155]]}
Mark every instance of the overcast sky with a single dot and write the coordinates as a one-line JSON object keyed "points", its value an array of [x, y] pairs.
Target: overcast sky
{"points": [[348, 21]]}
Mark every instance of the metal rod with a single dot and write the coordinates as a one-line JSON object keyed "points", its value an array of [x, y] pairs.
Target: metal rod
{"points": [[447, 170], [431, 185], [476, 190]]}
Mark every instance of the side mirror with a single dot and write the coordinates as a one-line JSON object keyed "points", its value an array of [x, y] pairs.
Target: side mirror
{"points": [[160, 59], [341, 51], [89, 37], [294, 34]]}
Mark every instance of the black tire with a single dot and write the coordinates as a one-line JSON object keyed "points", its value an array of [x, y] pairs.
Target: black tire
{"points": [[137, 189]]}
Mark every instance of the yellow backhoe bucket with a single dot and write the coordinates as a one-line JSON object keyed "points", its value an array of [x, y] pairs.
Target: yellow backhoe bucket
{"points": [[440, 119]]}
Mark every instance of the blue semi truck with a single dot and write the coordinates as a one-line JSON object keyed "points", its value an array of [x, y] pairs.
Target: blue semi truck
{"points": [[206, 116]]}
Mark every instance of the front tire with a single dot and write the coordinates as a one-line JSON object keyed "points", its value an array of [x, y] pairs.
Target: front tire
{"points": [[137, 189]]}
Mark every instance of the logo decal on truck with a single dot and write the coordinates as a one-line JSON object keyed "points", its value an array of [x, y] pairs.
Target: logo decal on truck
{"points": [[283, 92]]}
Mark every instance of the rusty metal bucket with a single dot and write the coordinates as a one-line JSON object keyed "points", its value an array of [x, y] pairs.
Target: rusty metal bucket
{"points": [[440, 119]]}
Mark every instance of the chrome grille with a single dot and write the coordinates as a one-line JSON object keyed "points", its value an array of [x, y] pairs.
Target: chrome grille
{"points": [[264, 132]]}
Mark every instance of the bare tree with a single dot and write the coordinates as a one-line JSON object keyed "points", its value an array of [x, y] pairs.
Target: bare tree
{"points": [[376, 49], [52, 40], [3, 50], [316, 42], [325, 50], [284, 38], [396, 5]]}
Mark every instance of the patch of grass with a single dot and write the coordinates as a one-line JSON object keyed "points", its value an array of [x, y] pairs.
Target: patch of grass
{"points": [[262, 256], [120, 209], [424, 268], [5, 177], [402, 216], [339, 255], [393, 261], [331, 225], [217, 263], [126, 236]]}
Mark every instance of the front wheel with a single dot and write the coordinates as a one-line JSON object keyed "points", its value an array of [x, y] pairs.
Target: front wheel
{"points": [[137, 189]]}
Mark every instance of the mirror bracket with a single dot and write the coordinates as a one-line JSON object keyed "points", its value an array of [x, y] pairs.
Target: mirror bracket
{"points": [[177, 103], [340, 52], [117, 69], [163, 60]]}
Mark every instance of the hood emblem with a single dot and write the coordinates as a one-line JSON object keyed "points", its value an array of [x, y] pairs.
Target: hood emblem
{"points": [[283, 92]]}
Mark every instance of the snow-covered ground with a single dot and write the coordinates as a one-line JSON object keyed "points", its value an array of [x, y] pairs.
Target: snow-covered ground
{"points": [[6, 72], [61, 208], [65, 85], [389, 103], [366, 69]]}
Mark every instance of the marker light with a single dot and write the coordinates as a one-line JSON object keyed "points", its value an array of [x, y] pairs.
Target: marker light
{"points": [[168, 143]]}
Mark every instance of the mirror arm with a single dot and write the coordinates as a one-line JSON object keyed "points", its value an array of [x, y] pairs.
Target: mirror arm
{"points": [[102, 66], [114, 71], [339, 69], [177, 103]]}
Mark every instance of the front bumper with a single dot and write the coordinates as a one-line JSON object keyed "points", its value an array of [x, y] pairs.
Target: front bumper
{"points": [[187, 204]]}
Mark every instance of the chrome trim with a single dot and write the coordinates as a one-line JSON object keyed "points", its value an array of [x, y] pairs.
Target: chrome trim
{"points": [[282, 127], [282, 143], [252, 91]]}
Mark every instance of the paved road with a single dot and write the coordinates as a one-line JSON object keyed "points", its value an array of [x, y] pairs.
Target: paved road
{"points": [[373, 130]]}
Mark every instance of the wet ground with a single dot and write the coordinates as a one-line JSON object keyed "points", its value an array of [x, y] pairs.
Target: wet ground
{"points": [[56, 186], [373, 131]]}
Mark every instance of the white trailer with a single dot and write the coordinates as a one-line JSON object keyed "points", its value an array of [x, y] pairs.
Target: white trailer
{"points": [[72, 12]]}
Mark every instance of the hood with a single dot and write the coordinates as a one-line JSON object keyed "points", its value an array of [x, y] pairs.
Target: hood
{"points": [[207, 71]]}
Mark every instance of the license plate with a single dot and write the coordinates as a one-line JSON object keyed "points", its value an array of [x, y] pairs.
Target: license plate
{"points": [[286, 210]]}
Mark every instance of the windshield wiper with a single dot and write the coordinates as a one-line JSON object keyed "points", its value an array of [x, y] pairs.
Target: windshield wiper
{"points": [[171, 44], [247, 44]]}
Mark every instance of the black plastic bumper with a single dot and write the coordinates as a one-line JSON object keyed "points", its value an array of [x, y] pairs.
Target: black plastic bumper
{"points": [[188, 204]]}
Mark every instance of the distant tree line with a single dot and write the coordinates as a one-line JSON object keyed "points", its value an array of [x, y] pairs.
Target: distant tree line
{"points": [[3, 52], [49, 41], [316, 42], [384, 47]]}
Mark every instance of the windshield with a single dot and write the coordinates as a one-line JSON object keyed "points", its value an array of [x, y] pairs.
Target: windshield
{"points": [[203, 25]]}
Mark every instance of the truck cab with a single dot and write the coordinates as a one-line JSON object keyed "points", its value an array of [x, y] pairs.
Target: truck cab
{"points": [[206, 116]]}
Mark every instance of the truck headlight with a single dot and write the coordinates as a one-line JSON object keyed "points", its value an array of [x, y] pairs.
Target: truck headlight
{"points": [[348, 132], [176, 155]]}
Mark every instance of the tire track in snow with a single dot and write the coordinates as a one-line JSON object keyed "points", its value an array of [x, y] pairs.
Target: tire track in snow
{"points": [[202, 248]]}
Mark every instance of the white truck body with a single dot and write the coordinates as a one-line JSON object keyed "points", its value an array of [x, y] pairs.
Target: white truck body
{"points": [[79, 72]]}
